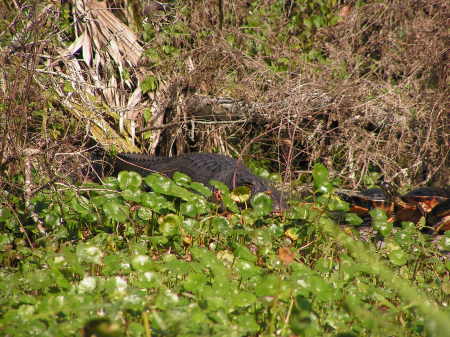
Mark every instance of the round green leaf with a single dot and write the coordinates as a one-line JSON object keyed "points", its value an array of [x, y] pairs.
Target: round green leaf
{"points": [[144, 213], [191, 225], [149, 84], [323, 290], [398, 257], [52, 219], [89, 253], [219, 186], [384, 227], [337, 205], [244, 253], [158, 183], [262, 204], [155, 201], [195, 282], [220, 225], [5, 214], [378, 215], [181, 178], [243, 299], [166, 186], [201, 204], [129, 180], [116, 211], [248, 322], [298, 212], [201, 188], [269, 286], [110, 183], [80, 204], [408, 226], [246, 269], [241, 194], [353, 219], [169, 225], [131, 195], [324, 188], [189, 209], [320, 174], [139, 262]]}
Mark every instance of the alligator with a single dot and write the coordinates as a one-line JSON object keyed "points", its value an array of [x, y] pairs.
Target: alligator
{"points": [[201, 167]]}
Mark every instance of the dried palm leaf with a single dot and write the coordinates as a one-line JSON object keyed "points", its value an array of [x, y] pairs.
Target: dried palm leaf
{"points": [[104, 85]]}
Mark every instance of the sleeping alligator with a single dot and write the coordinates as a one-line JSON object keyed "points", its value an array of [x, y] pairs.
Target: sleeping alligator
{"points": [[201, 167]]}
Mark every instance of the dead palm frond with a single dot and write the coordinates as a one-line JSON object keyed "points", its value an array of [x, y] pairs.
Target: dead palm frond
{"points": [[97, 77]]}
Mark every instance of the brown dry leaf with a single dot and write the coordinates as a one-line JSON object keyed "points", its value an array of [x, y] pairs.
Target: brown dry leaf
{"points": [[345, 11], [286, 255]]}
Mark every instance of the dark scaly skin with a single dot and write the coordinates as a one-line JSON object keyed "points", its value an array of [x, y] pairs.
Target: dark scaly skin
{"points": [[201, 167], [439, 217], [426, 197], [430, 202], [362, 202], [422, 202]]}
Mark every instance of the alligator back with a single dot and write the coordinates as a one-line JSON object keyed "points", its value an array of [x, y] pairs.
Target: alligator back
{"points": [[201, 167]]}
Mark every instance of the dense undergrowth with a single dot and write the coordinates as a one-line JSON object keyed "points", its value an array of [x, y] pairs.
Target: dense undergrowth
{"points": [[119, 260], [361, 86]]}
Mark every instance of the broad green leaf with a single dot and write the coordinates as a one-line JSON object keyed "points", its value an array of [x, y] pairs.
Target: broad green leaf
{"points": [[383, 227], [149, 279], [89, 253], [298, 212], [140, 262], [378, 214], [169, 225], [181, 178], [52, 219], [269, 286], [195, 282], [220, 225], [201, 188], [243, 299], [398, 257], [156, 202], [246, 269], [145, 213], [164, 185], [5, 214], [248, 322], [189, 209], [325, 187], [241, 194], [116, 211], [201, 204], [219, 186], [191, 226], [336, 204], [149, 84], [244, 253], [353, 219], [80, 204], [262, 204], [131, 195], [129, 180], [320, 174]]}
